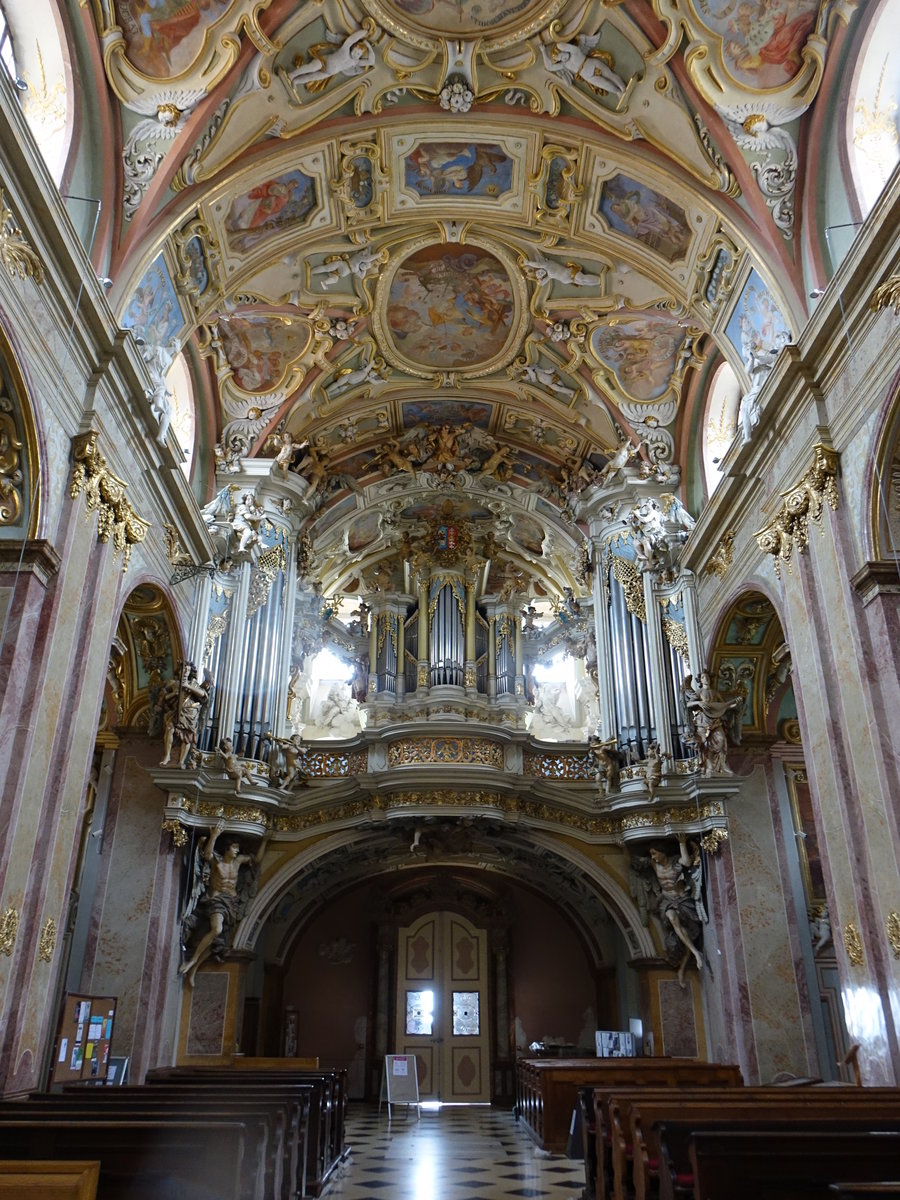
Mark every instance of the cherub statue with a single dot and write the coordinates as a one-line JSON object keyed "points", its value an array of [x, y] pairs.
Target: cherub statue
{"points": [[759, 359], [571, 273], [234, 768], [618, 461], [392, 453], [287, 450], [670, 885], [582, 60], [608, 764], [498, 464], [548, 378], [351, 56], [370, 371], [221, 890], [340, 266], [294, 755], [652, 768]]}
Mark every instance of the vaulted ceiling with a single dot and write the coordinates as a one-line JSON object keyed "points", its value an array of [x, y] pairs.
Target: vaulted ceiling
{"points": [[536, 225]]}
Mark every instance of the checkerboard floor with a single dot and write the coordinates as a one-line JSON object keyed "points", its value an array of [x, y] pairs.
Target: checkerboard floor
{"points": [[470, 1153]]}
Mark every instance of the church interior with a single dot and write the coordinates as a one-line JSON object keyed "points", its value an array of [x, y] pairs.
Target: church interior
{"points": [[342, 661]]}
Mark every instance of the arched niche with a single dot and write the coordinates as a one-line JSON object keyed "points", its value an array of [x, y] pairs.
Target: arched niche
{"points": [[143, 655], [20, 459]]}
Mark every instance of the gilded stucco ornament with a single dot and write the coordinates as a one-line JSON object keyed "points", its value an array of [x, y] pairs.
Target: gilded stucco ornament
{"points": [[893, 932], [105, 494], [16, 254], [47, 941], [11, 477], [9, 928], [723, 555], [853, 945], [802, 504], [713, 841], [887, 295]]}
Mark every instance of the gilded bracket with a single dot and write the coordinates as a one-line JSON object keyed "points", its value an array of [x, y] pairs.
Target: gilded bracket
{"points": [[723, 555], [887, 295], [802, 504], [105, 492]]}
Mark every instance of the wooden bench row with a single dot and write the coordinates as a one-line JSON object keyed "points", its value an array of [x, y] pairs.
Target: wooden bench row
{"points": [[656, 1139], [547, 1089], [194, 1135]]}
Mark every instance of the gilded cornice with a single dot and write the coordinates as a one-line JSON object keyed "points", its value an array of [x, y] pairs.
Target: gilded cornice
{"points": [[801, 504]]}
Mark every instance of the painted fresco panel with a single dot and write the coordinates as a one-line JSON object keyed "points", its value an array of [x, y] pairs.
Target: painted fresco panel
{"points": [[460, 18], [638, 212], [445, 412], [458, 169], [450, 307], [641, 351], [756, 320], [269, 207], [762, 40], [260, 350], [153, 311], [163, 37]]}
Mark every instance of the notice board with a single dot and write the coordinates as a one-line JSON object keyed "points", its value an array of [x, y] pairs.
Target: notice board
{"points": [[83, 1039], [400, 1083]]}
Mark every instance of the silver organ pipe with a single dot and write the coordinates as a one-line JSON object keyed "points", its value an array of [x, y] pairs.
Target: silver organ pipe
{"points": [[446, 639], [631, 668], [412, 651], [255, 715]]}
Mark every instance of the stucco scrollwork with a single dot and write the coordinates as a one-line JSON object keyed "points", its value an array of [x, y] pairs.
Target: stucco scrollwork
{"points": [[11, 477]]}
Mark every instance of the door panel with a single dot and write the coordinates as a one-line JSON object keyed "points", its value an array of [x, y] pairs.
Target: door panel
{"points": [[442, 1006]]}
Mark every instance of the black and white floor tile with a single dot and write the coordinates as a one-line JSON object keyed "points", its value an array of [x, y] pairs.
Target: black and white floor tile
{"points": [[470, 1153]]}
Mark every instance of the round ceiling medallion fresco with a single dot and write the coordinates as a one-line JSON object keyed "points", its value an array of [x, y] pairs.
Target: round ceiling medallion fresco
{"points": [[449, 307]]}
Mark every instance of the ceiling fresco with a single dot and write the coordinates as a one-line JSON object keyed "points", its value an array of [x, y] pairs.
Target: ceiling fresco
{"points": [[413, 241]]}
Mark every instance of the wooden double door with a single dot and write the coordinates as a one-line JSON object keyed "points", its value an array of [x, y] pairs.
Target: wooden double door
{"points": [[443, 1007]]}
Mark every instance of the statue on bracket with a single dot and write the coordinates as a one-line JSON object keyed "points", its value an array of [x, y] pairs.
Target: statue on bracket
{"points": [[670, 885], [712, 715], [222, 887], [181, 702]]}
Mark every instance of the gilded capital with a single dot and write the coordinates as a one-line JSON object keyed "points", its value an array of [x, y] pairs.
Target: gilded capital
{"points": [[105, 493]]}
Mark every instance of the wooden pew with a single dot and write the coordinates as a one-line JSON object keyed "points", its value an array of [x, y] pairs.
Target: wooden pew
{"points": [[44, 1180], [302, 1102], [673, 1074], [547, 1088], [326, 1115], [139, 1160], [766, 1165], [636, 1116], [269, 1119]]}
